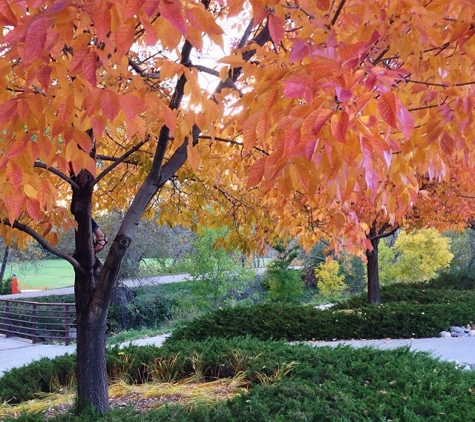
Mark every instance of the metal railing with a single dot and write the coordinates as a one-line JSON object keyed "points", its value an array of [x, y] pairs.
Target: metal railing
{"points": [[38, 321]]}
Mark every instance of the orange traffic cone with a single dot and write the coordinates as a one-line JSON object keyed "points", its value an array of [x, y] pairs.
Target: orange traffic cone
{"points": [[15, 285]]}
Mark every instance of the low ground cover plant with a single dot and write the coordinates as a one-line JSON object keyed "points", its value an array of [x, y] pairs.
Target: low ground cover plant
{"points": [[290, 382], [392, 320]]}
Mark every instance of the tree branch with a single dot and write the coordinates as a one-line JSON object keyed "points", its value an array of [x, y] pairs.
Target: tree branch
{"points": [[121, 159], [338, 11], [43, 243], [39, 164]]}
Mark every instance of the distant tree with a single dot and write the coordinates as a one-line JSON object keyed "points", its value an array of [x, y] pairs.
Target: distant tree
{"points": [[216, 273], [418, 256], [330, 282]]}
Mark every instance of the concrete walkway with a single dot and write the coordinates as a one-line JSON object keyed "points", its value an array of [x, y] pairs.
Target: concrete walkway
{"points": [[16, 352], [132, 282]]}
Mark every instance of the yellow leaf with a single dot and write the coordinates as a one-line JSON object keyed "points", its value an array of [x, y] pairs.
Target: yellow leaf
{"points": [[193, 156], [224, 73], [233, 59], [30, 191]]}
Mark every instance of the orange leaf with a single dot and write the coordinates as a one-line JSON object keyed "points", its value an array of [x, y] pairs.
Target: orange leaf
{"points": [[33, 208], [110, 103], [193, 156], [263, 125], [132, 105], [125, 36], [339, 125], [14, 206], [43, 74], [44, 192], [98, 124], [256, 173], [387, 108], [65, 106], [14, 175]]}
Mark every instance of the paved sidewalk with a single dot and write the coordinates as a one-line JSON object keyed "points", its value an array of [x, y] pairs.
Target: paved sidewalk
{"points": [[16, 352], [132, 282]]}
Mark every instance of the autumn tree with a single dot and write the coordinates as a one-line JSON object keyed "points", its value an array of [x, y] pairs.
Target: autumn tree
{"points": [[103, 105]]}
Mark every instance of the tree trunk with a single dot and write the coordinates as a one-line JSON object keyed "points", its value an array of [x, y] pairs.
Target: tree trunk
{"points": [[91, 356], [372, 266], [4, 262], [91, 310]]}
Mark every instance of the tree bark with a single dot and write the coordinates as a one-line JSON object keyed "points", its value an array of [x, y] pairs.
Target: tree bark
{"points": [[91, 312], [372, 267], [4, 262], [91, 358]]}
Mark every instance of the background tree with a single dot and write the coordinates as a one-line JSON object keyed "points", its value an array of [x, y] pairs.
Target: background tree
{"points": [[101, 107], [330, 282], [218, 274], [416, 257]]}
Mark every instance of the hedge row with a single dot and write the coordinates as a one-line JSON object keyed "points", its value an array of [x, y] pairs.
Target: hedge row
{"points": [[392, 320]]}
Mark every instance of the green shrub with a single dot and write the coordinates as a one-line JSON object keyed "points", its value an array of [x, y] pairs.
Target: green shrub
{"points": [[285, 284], [412, 293], [403, 320], [6, 286], [302, 383]]}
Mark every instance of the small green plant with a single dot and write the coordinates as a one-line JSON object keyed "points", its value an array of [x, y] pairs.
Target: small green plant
{"points": [[219, 279], [6, 286], [285, 284]]}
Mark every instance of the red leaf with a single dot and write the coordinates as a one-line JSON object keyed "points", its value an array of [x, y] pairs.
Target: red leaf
{"points": [[339, 125], [323, 4], [171, 10], [256, 173], [17, 148], [387, 108], [110, 103], [132, 106], [102, 18], [7, 17], [406, 120], [36, 38], [89, 67], [43, 74], [8, 110], [98, 124], [276, 28]]}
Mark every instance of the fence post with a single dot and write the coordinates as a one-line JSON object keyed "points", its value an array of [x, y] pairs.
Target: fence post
{"points": [[67, 322], [7, 318], [34, 320]]}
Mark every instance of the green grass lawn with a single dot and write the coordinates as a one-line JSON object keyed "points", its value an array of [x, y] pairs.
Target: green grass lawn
{"points": [[47, 273]]}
